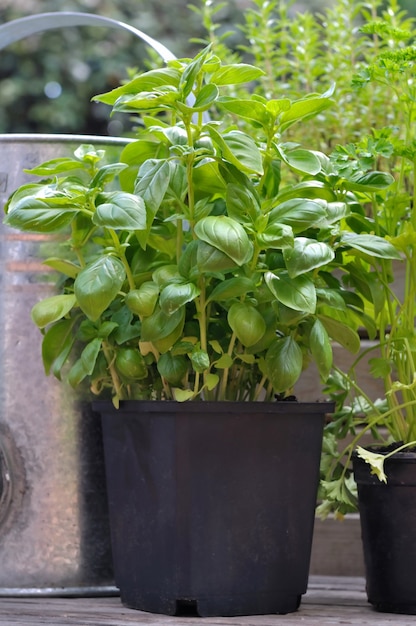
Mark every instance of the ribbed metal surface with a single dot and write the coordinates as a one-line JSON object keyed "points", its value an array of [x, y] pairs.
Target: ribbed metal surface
{"points": [[53, 512], [54, 535]]}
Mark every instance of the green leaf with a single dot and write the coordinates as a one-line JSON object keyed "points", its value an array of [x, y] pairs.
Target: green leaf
{"points": [[308, 189], [332, 298], [277, 236], [106, 174], [67, 268], [81, 229], [134, 155], [211, 381], [340, 490], [370, 182], [131, 364], [379, 367], [121, 210], [105, 329], [88, 154], [303, 109], [297, 293], [165, 275], [172, 368], [242, 203], [86, 363], [239, 149], [210, 259], [371, 245], [147, 81], [246, 322], [205, 98], [227, 235], [231, 288], [250, 359], [321, 348], [284, 362], [56, 346], [98, 284], [376, 462], [298, 213], [225, 361], [337, 211], [142, 301], [152, 183], [126, 329], [216, 346], [277, 106], [235, 74], [176, 135], [301, 160], [272, 179], [200, 361], [306, 254], [38, 214], [341, 333], [174, 296], [161, 99], [206, 177], [52, 309], [182, 395], [160, 325], [191, 71], [247, 109], [56, 166], [242, 151]]}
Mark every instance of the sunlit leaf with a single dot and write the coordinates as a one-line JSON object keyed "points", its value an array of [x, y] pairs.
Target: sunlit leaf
{"points": [[227, 235], [297, 293], [97, 285], [52, 309]]}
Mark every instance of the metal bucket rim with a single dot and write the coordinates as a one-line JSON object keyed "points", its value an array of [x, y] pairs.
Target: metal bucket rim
{"points": [[62, 138]]}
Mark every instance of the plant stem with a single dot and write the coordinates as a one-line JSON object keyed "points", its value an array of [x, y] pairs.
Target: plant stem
{"points": [[226, 371], [109, 357], [121, 251]]}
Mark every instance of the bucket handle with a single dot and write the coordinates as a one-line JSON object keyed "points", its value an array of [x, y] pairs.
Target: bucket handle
{"points": [[25, 26]]}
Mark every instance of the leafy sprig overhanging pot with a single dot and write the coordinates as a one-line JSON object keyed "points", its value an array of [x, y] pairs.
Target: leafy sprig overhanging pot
{"points": [[211, 270], [389, 289]]}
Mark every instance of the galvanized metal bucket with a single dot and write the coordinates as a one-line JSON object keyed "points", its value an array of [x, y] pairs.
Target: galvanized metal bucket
{"points": [[54, 533]]}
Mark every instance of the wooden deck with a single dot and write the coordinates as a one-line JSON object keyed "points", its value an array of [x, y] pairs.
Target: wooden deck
{"points": [[329, 601]]}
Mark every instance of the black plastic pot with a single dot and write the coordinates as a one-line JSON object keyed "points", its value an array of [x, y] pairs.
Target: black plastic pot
{"points": [[212, 504], [388, 526]]}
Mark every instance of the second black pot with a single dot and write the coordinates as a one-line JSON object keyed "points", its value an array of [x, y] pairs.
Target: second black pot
{"points": [[388, 526], [212, 504]]}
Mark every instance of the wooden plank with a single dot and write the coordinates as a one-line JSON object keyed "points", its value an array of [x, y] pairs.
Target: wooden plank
{"points": [[330, 601], [337, 548]]}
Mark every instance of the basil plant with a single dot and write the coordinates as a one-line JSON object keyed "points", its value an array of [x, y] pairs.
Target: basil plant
{"points": [[208, 263]]}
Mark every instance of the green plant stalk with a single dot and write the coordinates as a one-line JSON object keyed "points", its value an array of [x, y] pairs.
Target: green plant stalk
{"points": [[201, 309], [403, 447], [226, 371], [260, 387], [110, 358], [121, 252]]}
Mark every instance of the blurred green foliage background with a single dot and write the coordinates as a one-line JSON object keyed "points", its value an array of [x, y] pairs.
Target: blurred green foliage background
{"points": [[47, 80]]}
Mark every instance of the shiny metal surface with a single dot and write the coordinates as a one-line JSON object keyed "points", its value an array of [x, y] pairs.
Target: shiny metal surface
{"points": [[54, 534], [53, 511]]}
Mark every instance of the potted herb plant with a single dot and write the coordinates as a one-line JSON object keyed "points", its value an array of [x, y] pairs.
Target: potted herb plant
{"points": [[384, 474], [194, 294]]}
